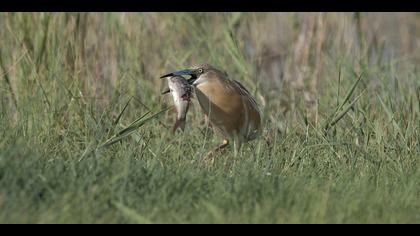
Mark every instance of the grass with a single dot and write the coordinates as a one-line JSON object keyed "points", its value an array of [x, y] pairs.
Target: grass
{"points": [[339, 91]]}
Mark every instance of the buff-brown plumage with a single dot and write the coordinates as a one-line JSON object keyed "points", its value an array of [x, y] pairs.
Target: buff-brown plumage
{"points": [[228, 105]]}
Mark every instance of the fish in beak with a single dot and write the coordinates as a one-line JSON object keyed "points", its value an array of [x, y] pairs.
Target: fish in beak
{"points": [[181, 93]]}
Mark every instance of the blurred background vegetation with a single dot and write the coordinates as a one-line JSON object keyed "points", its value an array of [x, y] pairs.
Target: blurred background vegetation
{"points": [[287, 59]]}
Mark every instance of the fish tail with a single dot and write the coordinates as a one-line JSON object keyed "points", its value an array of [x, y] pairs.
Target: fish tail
{"points": [[180, 123]]}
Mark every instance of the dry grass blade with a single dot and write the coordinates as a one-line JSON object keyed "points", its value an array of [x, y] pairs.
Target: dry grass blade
{"points": [[43, 46], [7, 80]]}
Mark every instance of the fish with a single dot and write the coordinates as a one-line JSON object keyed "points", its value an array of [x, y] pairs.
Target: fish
{"points": [[181, 92]]}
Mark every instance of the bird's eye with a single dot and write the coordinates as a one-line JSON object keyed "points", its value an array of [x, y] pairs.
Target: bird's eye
{"points": [[200, 70]]}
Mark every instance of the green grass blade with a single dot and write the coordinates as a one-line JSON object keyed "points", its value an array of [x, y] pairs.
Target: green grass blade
{"points": [[350, 92], [131, 128], [344, 112], [131, 214], [346, 99], [123, 110], [133, 123], [391, 118]]}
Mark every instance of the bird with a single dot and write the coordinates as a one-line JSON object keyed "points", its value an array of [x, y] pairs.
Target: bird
{"points": [[229, 107]]}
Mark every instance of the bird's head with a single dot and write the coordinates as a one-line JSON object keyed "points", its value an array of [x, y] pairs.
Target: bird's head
{"points": [[198, 73]]}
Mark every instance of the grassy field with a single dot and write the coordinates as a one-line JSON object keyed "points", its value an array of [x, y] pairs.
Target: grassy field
{"points": [[334, 149]]}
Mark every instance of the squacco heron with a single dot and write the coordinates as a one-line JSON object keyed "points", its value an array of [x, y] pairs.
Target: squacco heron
{"points": [[227, 104]]}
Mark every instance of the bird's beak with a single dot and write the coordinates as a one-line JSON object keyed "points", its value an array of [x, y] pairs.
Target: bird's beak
{"points": [[189, 72], [180, 72]]}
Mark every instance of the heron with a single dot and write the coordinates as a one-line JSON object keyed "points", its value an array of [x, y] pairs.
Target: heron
{"points": [[226, 103]]}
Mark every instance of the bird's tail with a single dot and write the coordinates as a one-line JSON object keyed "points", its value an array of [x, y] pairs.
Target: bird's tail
{"points": [[180, 123]]}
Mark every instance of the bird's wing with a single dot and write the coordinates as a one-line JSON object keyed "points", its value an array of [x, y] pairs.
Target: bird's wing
{"points": [[241, 87], [253, 128], [237, 86]]}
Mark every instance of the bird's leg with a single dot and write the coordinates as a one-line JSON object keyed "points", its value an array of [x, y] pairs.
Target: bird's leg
{"points": [[236, 149], [237, 144], [207, 125], [206, 120], [209, 158]]}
